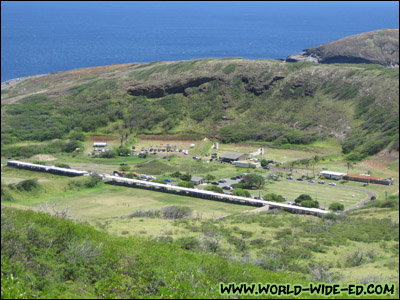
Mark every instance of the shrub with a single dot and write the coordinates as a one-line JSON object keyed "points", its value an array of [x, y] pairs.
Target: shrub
{"points": [[302, 197], [108, 154], [176, 212], [186, 177], [93, 181], [241, 193], [336, 206], [176, 174], [129, 175], [330, 216], [264, 163], [214, 188], [188, 243], [123, 151], [309, 203], [148, 213], [124, 168], [142, 155], [274, 197], [187, 184], [27, 185]]}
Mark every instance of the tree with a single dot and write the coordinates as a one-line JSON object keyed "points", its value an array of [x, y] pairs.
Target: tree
{"points": [[336, 206], [241, 193], [292, 164], [349, 165], [210, 178], [307, 163], [274, 197], [186, 177], [214, 188], [302, 197], [314, 161], [310, 203], [187, 184], [264, 163], [253, 181], [176, 212]]}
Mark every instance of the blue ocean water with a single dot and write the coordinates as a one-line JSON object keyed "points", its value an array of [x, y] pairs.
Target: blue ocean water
{"points": [[43, 37]]}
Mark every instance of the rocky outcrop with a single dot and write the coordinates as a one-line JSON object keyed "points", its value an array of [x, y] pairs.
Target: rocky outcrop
{"points": [[256, 86], [157, 90], [374, 47]]}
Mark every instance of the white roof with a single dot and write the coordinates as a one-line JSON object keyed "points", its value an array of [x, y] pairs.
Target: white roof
{"points": [[332, 173], [47, 168]]}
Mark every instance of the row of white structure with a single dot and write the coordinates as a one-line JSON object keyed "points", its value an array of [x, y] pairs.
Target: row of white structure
{"points": [[167, 188], [44, 168]]}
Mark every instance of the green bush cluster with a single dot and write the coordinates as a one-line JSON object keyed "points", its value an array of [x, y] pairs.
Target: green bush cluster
{"points": [[274, 197], [241, 193], [214, 188], [49, 148]]}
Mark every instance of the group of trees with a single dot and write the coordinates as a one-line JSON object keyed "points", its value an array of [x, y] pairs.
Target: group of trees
{"points": [[306, 201], [307, 162]]}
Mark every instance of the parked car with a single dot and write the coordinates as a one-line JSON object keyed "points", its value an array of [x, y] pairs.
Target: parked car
{"points": [[207, 154], [300, 179], [227, 187], [311, 181], [214, 183], [289, 178], [222, 181], [233, 178], [332, 183], [321, 182], [266, 167], [123, 164], [324, 168], [167, 180]]}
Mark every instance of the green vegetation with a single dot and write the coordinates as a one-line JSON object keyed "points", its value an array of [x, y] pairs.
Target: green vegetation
{"points": [[274, 197], [296, 111], [336, 206], [259, 108], [64, 260]]}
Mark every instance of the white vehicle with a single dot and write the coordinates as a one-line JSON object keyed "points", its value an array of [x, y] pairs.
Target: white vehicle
{"points": [[332, 184], [143, 176]]}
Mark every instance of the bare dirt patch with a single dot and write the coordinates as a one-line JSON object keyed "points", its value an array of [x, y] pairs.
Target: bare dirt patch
{"points": [[166, 138], [102, 138], [387, 156], [375, 164], [43, 157]]}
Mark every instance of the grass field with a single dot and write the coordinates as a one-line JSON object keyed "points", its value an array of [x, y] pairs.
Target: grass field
{"points": [[323, 193]]}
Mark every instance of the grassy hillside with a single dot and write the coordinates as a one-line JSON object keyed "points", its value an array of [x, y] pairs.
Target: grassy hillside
{"points": [[45, 257], [231, 99]]}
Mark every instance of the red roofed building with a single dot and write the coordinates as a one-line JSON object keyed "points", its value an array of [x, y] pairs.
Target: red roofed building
{"points": [[369, 179]]}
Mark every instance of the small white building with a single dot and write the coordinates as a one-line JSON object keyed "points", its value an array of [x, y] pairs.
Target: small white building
{"points": [[246, 164], [332, 175]]}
